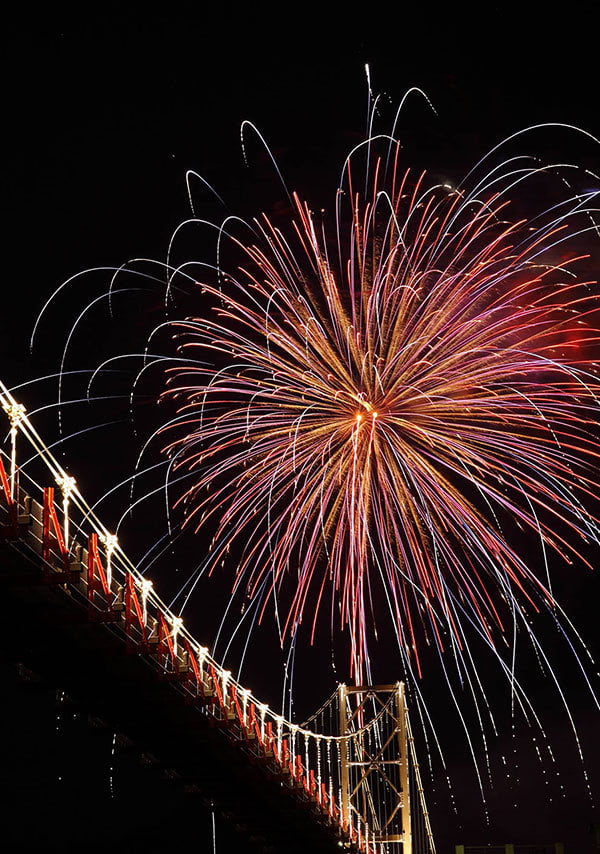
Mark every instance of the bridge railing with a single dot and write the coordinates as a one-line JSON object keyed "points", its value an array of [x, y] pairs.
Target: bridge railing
{"points": [[56, 524]]}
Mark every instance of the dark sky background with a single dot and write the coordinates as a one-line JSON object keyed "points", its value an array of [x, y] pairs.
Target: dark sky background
{"points": [[103, 116]]}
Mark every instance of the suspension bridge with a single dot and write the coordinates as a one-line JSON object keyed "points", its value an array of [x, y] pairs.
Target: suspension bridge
{"points": [[347, 778]]}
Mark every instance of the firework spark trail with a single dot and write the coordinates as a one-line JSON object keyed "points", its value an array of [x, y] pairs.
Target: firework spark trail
{"points": [[359, 415]]}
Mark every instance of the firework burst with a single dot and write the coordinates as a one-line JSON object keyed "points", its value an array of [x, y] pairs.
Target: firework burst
{"points": [[390, 400]]}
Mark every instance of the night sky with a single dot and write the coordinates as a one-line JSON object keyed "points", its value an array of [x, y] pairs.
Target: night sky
{"points": [[103, 116]]}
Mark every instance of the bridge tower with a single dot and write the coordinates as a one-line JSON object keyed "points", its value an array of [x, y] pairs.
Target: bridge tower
{"points": [[374, 762]]}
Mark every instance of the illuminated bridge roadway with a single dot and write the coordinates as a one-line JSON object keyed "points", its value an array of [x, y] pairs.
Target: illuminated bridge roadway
{"points": [[83, 631]]}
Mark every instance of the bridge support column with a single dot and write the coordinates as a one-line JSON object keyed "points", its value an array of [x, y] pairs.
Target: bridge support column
{"points": [[344, 775], [374, 758]]}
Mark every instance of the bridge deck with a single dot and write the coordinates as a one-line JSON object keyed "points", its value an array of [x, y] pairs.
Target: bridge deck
{"points": [[46, 629]]}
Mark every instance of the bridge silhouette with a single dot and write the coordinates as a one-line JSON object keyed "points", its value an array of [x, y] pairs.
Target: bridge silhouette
{"points": [[91, 622]]}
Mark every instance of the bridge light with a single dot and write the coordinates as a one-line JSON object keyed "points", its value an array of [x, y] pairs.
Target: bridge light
{"points": [[245, 697], [110, 543], [263, 709], [145, 586], [202, 656], [67, 485], [177, 626], [225, 679], [16, 413]]}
